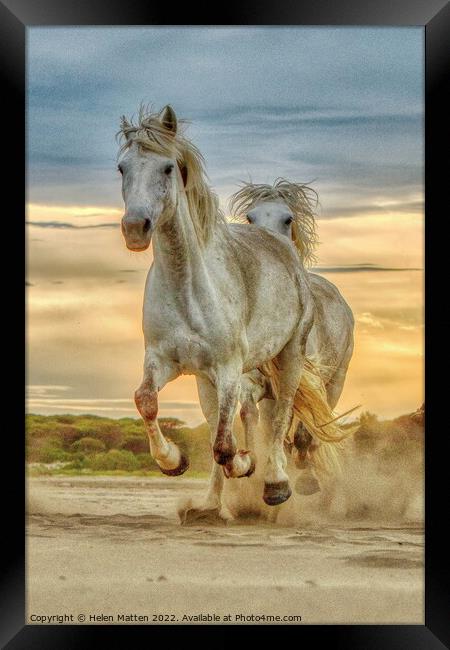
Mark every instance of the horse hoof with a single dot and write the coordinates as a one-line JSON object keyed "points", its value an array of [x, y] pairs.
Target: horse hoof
{"points": [[234, 468], [276, 493], [182, 467], [192, 516], [307, 485]]}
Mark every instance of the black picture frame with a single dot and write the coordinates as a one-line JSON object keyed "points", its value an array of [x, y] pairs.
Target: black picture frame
{"points": [[434, 15]]}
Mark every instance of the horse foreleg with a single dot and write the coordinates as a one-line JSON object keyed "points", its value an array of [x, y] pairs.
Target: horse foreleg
{"points": [[208, 509], [170, 459], [208, 402], [235, 463], [244, 461], [254, 387]]}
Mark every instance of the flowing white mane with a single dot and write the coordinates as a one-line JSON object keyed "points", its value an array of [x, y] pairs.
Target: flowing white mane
{"points": [[150, 133], [300, 198]]}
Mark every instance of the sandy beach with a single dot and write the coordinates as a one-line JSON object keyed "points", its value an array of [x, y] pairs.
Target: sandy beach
{"points": [[112, 550]]}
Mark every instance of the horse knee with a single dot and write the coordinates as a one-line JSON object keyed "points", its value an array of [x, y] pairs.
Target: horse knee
{"points": [[146, 402]]}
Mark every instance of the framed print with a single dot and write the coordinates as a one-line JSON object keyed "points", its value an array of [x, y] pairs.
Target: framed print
{"points": [[226, 343]]}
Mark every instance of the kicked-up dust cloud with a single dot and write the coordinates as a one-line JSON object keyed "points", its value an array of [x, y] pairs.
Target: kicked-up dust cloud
{"points": [[382, 480]]}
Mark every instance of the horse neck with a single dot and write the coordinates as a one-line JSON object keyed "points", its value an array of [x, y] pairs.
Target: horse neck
{"points": [[177, 252]]}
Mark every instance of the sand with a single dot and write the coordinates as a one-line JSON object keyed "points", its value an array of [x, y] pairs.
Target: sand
{"points": [[113, 549]]}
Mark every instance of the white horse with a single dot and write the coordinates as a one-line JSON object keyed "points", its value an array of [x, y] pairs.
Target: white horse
{"points": [[220, 300], [287, 208]]}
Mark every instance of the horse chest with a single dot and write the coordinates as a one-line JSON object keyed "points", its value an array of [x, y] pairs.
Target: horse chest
{"points": [[187, 333], [190, 354], [176, 342]]}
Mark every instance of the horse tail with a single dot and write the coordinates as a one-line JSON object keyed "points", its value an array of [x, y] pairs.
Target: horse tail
{"points": [[311, 408], [310, 402]]}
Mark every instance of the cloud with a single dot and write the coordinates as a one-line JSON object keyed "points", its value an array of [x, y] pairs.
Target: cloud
{"points": [[60, 225], [41, 390], [340, 105], [85, 402], [366, 318], [356, 210], [358, 268]]}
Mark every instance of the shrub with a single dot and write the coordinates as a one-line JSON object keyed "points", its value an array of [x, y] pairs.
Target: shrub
{"points": [[146, 462], [114, 459], [107, 431], [38, 428], [138, 444], [170, 426], [68, 433], [66, 419], [48, 453], [88, 445]]}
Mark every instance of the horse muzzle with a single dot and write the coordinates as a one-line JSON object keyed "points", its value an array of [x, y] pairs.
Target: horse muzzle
{"points": [[137, 233]]}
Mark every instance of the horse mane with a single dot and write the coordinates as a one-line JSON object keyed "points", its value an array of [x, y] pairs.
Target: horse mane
{"points": [[300, 198], [150, 133]]}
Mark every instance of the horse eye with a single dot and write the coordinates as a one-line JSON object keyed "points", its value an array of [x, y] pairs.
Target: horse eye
{"points": [[288, 221], [119, 168], [168, 169]]}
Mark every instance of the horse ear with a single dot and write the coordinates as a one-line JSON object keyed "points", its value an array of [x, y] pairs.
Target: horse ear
{"points": [[168, 118], [125, 127]]}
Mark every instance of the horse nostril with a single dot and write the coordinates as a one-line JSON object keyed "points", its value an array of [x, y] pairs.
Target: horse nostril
{"points": [[146, 225]]}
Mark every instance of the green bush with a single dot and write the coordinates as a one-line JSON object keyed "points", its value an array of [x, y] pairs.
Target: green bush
{"points": [[114, 459], [68, 433], [50, 454], [138, 444], [108, 431], [146, 462], [88, 445], [38, 428], [66, 418]]}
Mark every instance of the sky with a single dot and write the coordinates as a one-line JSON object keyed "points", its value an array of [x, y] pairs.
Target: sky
{"points": [[341, 108]]}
